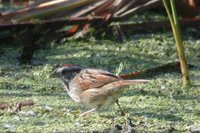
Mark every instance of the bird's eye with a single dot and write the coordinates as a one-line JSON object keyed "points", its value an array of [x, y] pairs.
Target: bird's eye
{"points": [[69, 75], [64, 71]]}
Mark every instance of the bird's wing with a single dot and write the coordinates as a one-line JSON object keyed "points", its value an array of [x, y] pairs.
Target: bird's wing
{"points": [[94, 78]]}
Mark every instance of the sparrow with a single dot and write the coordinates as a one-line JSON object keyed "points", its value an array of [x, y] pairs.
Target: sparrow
{"points": [[95, 88]]}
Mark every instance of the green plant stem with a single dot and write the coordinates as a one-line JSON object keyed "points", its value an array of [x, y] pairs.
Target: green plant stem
{"points": [[179, 45], [175, 17]]}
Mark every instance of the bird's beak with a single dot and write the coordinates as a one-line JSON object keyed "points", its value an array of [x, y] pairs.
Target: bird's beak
{"points": [[53, 75]]}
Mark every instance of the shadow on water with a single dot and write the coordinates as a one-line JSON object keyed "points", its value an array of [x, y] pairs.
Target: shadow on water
{"points": [[26, 94], [91, 58], [166, 117]]}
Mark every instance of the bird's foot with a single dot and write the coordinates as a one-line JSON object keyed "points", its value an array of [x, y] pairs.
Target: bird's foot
{"points": [[84, 114]]}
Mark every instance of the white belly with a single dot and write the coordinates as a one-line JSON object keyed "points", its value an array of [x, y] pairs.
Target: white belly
{"points": [[108, 102]]}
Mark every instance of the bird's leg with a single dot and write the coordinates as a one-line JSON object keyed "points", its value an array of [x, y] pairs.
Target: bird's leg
{"points": [[87, 112], [122, 112]]}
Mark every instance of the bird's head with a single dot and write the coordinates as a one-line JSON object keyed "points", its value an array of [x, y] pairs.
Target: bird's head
{"points": [[66, 72]]}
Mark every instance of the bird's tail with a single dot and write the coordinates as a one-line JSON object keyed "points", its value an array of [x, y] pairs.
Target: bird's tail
{"points": [[123, 83]]}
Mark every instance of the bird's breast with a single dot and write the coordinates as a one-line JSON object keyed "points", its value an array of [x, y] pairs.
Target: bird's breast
{"points": [[75, 93], [74, 96]]}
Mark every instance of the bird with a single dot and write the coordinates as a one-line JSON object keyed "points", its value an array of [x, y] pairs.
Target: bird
{"points": [[95, 88]]}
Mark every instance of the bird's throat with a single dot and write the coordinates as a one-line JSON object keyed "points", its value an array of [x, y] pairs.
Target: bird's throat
{"points": [[66, 84]]}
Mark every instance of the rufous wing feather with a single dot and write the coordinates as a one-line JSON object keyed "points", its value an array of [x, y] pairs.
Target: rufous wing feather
{"points": [[94, 78]]}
